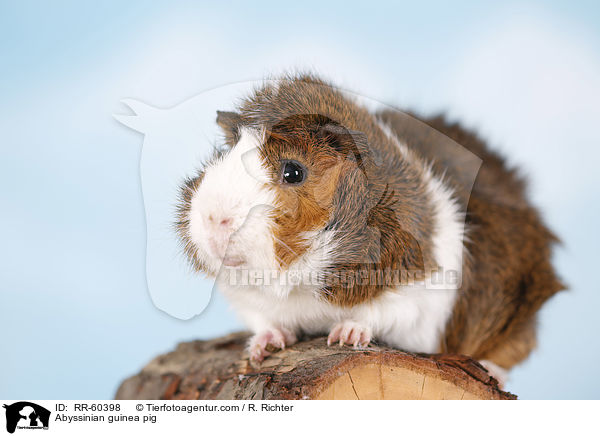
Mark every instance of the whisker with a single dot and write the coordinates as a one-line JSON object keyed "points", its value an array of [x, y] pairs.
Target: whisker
{"points": [[285, 246]]}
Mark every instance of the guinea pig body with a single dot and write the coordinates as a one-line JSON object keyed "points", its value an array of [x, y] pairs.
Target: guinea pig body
{"points": [[319, 217]]}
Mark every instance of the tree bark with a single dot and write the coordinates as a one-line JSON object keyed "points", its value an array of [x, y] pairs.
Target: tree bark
{"points": [[220, 369]]}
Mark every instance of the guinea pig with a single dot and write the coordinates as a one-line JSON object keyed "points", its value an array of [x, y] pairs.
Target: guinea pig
{"points": [[318, 216]]}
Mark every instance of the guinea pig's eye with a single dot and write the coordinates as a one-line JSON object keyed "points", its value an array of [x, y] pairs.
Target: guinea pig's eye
{"points": [[293, 172]]}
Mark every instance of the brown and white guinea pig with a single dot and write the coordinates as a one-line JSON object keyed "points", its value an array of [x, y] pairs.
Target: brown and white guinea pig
{"points": [[320, 217]]}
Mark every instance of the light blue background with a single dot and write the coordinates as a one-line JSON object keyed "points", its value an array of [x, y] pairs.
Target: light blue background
{"points": [[75, 314]]}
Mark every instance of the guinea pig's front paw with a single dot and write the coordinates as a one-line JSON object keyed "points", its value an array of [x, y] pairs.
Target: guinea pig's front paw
{"points": [[351, 333], [276, 337]]}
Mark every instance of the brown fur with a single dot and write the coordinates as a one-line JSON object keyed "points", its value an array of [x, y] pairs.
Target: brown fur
{"points": [[507, 275], [306, 207]]}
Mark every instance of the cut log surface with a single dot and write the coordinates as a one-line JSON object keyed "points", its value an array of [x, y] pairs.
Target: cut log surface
{"points": [[220, 369]]}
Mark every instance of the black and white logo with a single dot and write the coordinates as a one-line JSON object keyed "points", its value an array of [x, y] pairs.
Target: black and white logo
{"points": [[26, 415]]}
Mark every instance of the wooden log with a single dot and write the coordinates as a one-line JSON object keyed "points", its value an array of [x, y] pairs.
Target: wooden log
{"points": [[220, 369]]}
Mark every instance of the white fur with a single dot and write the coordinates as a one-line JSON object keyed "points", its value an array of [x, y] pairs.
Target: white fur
{"points": [[409, 317], [236, 186]]}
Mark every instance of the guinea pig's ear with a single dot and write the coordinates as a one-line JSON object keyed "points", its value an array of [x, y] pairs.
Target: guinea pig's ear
{"points": [[350, 143], [231, 123]]}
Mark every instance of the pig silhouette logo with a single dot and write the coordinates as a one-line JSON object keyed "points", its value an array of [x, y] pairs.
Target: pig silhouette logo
{"points": [[26, 415]]}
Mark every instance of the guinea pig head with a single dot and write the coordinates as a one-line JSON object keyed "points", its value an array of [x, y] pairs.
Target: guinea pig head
{"points": [[262, 201]]}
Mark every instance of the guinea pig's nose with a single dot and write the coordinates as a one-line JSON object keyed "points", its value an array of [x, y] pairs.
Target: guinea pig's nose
{"points": [[220, 221], [225, 222]]}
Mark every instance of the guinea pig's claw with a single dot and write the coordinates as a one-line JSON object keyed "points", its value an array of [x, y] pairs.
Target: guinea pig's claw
{"points": [[351, 333], [276, 338], [258, 354]]}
